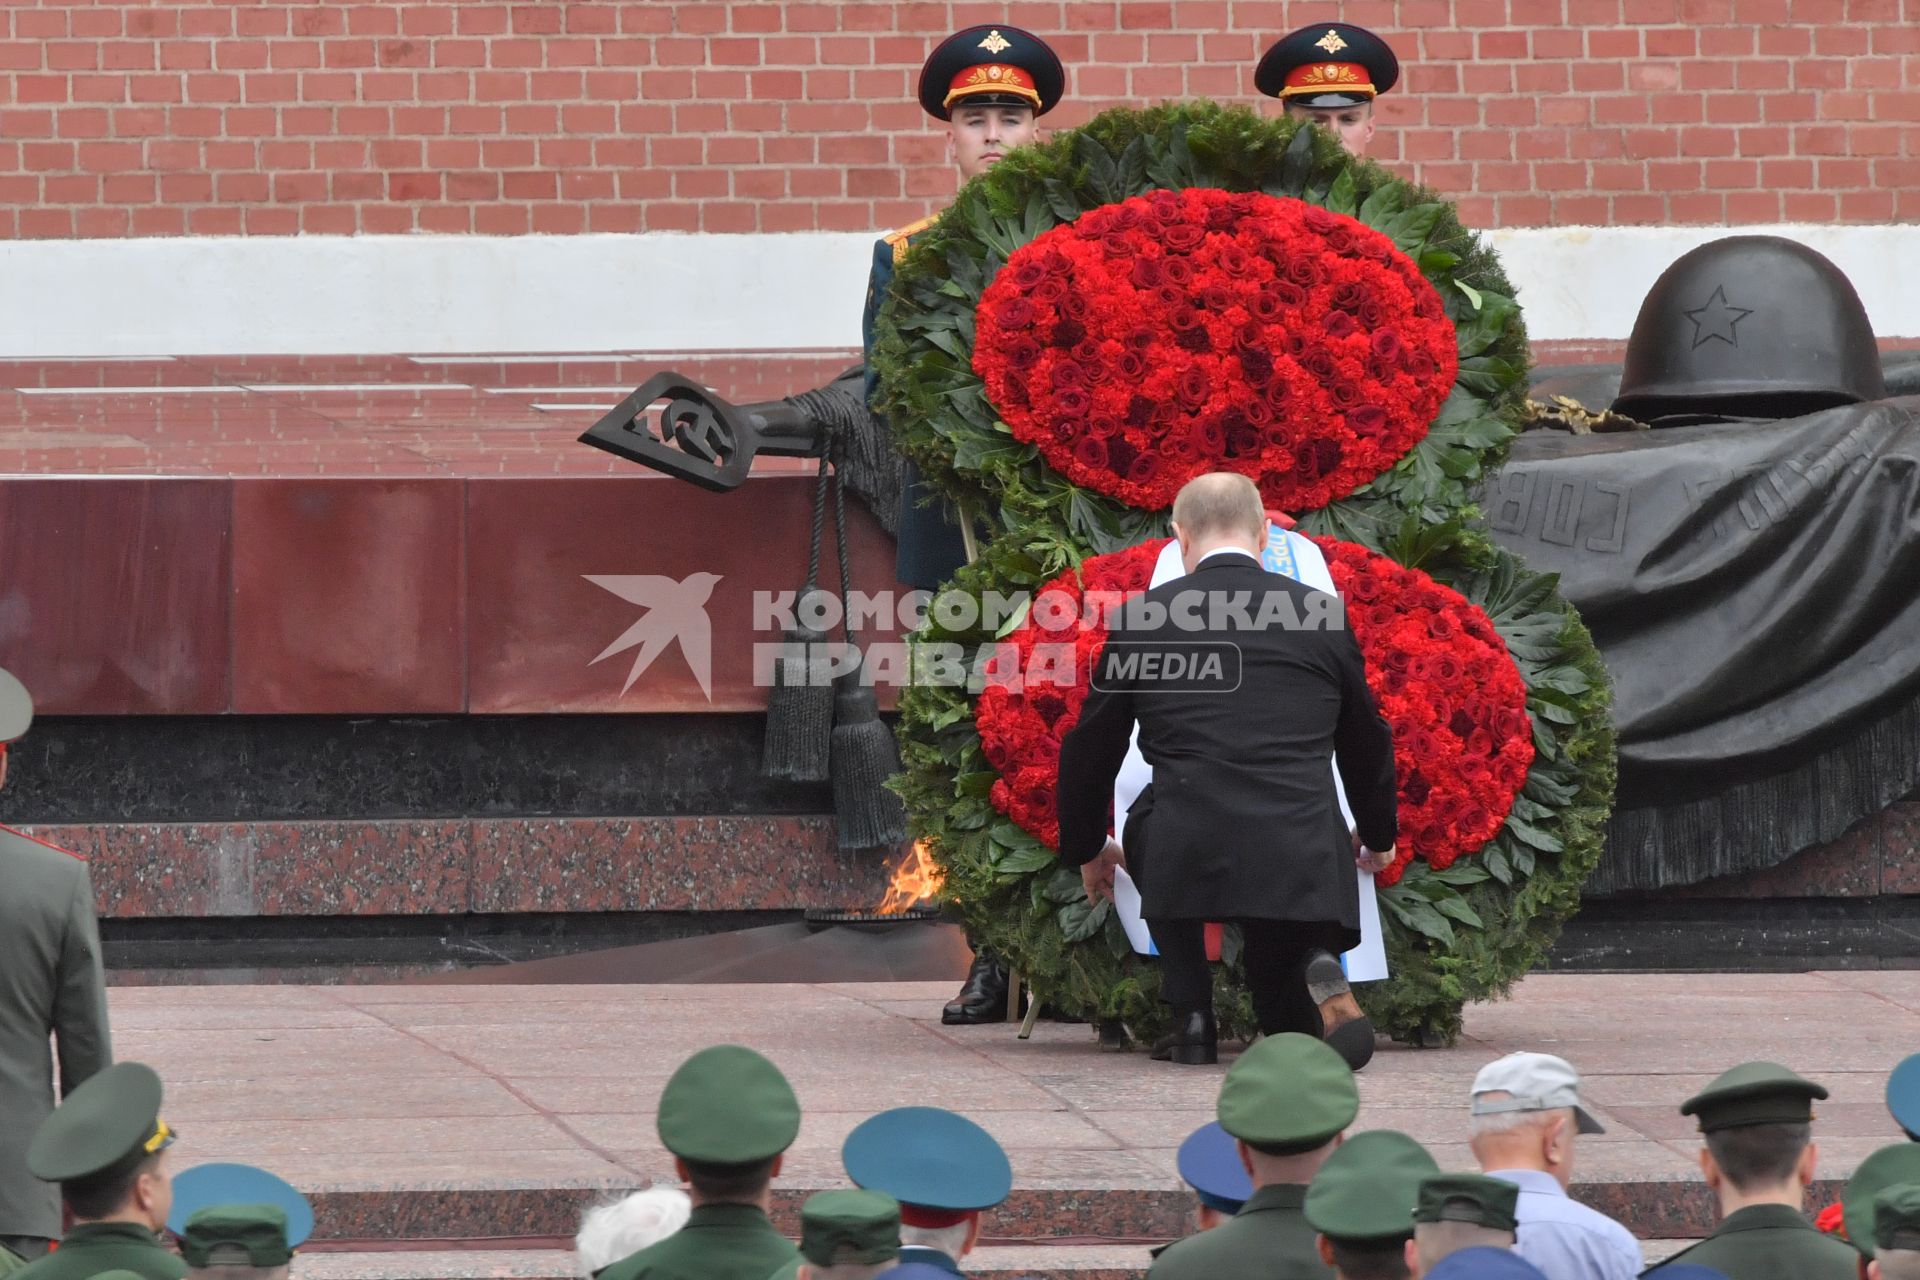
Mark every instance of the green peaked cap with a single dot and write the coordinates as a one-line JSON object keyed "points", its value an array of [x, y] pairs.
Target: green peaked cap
{"points": [[1288, 1091], [849, 1227], [1754, 1093], [111, 1121], [260, 1229], [1366, 1191], [1888, 1167], [1468, 1197], [728, 1105]]}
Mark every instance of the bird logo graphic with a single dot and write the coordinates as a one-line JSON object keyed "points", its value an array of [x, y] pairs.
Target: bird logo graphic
{"points": [[676, 610]]}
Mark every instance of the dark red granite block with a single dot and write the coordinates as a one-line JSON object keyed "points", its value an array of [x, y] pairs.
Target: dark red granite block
{"points": [[190, 870], [113, 593], [668, 864], [1900, 848], [1849, 867], [348, 596], [606, 594]]}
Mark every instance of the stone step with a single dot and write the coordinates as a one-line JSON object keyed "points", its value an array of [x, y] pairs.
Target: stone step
{"points": [[1651, 1209], [990, 1262]]}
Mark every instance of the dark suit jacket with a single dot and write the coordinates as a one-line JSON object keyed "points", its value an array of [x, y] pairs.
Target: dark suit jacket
{"points": [[50, 982], [1242, 820]]}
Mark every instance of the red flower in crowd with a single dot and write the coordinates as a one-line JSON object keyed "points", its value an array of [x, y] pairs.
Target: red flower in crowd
{"points": [[1441, 675], [1214, 309]]}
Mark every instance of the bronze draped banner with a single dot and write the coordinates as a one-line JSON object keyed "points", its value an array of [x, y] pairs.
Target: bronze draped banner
{"points": [[1755, 591]]}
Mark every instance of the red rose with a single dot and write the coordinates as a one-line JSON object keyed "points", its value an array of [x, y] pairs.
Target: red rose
{"points": [[1387, 345], [1194, 386], [1337, 324], [1091, 451], [1235, 261], [1068, 332], [1183, 237], [1318, 219], [1068, 373], [1265, 306], [1147, 273], [1179, 271], [1344, 395], [1349, 296], [1289, 293], [1130, 366], [1022, 352], [1072, 402], [1028, 274], [1014, 313], [1367, 420], [1305, 272]]}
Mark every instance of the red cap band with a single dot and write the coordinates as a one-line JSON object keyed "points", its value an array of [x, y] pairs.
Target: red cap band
{"points": [[1327, 77], [992, 77], [913, 1215]]}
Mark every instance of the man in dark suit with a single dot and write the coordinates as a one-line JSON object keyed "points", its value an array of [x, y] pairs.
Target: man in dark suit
{"points": [[51, 984], [1246, 686]]}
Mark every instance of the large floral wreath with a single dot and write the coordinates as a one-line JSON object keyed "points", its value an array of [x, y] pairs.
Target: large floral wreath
{"points": [[1194, 288]]}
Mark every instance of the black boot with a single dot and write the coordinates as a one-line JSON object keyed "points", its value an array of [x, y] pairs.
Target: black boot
{"points": [[983, 996], [1193, 1042]]}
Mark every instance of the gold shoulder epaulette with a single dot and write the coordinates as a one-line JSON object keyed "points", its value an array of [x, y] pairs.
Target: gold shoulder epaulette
{"points": [[898, 239]]}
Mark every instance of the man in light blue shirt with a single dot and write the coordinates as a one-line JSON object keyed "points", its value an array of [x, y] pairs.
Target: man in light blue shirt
{"points": [[1525, 1114]]}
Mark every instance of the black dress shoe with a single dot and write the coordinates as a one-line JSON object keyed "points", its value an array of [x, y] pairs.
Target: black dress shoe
{"points": [[1193, 1042], [982, 998], [1343, 1025]]}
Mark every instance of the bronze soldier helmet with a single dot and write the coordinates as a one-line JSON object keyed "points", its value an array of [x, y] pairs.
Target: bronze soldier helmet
{"points": [[1748, 327]]}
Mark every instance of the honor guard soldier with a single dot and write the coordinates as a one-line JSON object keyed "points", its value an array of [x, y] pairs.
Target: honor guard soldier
{"points": [[727, 1116], [55, 992], [945, 1171], [1463, 1211], [1285, 1102], [1362, 1200], [990, 84], [846, 1235], [1757, 1123], [106, 1146], [237, 1222], [1330, 74]]}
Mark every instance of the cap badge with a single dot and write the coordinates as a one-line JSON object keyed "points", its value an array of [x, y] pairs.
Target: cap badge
{"points": [[996, 43], [1331, 41]]}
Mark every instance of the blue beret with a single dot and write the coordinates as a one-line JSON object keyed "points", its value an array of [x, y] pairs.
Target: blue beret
{"points": [[1484, 1263], [208, 1186], [1210, 1164], [929, 1158], [1903, 1095]]}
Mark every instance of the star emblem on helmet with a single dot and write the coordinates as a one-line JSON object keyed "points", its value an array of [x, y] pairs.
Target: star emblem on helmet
{"points": [[995, 42], [1717, 318], [1331, 41]]}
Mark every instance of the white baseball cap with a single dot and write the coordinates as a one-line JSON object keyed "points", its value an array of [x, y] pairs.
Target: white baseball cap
{"points": [[1536, 1082]]}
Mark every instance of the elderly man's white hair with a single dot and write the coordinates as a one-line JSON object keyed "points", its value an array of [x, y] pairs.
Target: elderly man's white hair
{"points": [[610, 1232]]}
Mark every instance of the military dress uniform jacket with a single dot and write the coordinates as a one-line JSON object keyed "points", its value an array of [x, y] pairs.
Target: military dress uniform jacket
{"points": [[929, 549], [1269, 1238], [719, 1242], [1771, 1242], [95, 1247], [50, 981]]}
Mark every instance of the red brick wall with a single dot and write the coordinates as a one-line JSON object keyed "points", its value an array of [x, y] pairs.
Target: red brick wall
{"points": [[172, 117]]}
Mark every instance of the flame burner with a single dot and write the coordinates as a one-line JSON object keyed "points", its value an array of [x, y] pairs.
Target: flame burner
{"points": [[822, 917]]}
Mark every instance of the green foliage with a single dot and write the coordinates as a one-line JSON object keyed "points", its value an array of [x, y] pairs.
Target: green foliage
{"points": [[1465, 933]]}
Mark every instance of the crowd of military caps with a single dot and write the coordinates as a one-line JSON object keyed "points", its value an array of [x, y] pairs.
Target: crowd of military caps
{"points": [[1284, 1189]]}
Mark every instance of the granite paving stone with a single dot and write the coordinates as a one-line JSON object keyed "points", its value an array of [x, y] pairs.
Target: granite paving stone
{"points": [[461, 1113]]}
